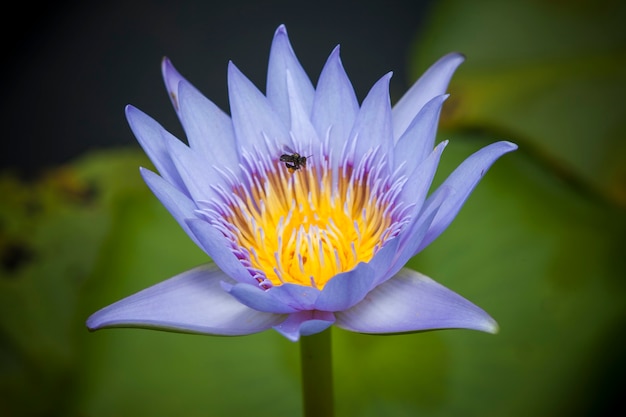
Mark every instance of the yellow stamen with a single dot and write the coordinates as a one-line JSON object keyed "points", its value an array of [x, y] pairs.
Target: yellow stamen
{"points": [[298, 229]]}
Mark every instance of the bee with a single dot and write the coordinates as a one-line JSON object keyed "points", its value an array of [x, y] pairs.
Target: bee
{"points": [[294, 161]]}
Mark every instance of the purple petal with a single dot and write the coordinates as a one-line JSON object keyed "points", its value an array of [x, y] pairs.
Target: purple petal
{"points": [[154, 139], [214, 244], [411, 302], [305, 323], [172, 78], [301, 127], [335, 106], [418, 140], [461, 183], [283, 60], [209, 130], [432, 83], [299, 296], [253, 117], [191, 302], [420, 179], [197, 175], [412, 237], [383, 261], [178, 204], [259, 299], [372, 127], [346, 289]]}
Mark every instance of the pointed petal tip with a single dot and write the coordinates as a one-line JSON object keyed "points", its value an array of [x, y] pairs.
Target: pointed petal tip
{"points": [[493, 327], [133, 114], [456, 58], [167, 68], [511, 145], [500, 148], [459, 55], [441, 146], [129, 109], [281, 30], [91, 326], [335, 55], [305, 323], [100, 320], [232, 68], [412, 302], [481, 321], [292, 337], [484, 324], [233, 74]]}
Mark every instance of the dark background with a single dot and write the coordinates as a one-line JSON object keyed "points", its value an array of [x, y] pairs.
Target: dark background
{"points": [[71, 67]]}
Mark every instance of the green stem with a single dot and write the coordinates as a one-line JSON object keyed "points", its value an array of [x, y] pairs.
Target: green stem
{"points": [[317, 375]]}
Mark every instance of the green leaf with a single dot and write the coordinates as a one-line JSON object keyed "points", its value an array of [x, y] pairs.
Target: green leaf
{"points": [[548, 75], [51, 231]]}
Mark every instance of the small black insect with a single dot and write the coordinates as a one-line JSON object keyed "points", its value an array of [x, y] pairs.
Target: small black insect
{"points": [[293, 161]]}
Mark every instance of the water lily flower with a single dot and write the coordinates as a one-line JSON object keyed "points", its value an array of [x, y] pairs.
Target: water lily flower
{"points": [[308, 203]]}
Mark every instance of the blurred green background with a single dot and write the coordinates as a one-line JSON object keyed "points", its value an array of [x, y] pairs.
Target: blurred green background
{"points": [[540, 245]]}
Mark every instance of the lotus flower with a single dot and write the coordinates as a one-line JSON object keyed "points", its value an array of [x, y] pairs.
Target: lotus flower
{"points": [[308, 203]]}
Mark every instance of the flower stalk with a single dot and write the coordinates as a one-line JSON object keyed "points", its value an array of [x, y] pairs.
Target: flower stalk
{"points": [[317, 375]]}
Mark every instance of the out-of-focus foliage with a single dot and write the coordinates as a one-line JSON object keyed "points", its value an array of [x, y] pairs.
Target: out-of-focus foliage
{"points": [[52, 233], [539, 245], [549, 74]]}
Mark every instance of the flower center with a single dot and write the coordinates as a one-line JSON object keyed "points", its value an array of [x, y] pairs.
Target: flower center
{"points": [[308, 224]]}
